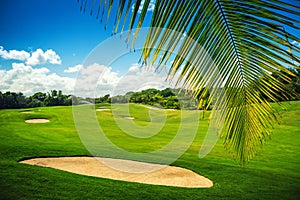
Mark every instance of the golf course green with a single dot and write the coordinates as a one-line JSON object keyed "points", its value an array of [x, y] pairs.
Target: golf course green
{"points": [[273, 174]]}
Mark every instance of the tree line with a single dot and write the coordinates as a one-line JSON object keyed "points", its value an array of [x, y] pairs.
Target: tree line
{"points": [[161, 98], [167, 98], [39, 99]]}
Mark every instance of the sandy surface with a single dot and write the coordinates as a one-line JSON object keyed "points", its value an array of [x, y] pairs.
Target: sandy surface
{"points": [[168, 175], [37, 121], [128, 117], [102, 109], [26, 112]]}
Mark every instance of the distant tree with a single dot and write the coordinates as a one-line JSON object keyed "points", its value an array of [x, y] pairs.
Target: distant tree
{"points": [[104, 99], [172, 103], [18, 100], [1, 100], [167, 92], [57, 98], [32, 102], [39, 96], [12, 100], [36, 100]]}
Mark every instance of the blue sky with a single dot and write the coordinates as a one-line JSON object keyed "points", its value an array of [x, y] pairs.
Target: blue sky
{"points": [[43, 44], [50, 24]]}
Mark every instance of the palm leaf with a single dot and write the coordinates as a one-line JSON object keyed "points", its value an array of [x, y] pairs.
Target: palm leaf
{"points": [[247, 40]]}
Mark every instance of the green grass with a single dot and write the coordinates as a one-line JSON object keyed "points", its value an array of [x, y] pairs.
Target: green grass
{"points": [[273, 174]]}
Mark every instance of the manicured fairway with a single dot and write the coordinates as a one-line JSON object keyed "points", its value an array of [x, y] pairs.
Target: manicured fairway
{"points": [[273, 174]]}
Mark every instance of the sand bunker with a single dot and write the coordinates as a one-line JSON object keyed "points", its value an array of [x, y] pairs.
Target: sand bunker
{"points": [[27, 111], [90, 166], [103, 109], [37, 121], [128, 117]]}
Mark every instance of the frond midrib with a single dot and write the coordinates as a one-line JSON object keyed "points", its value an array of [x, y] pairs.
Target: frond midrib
{"points": [[233, 42]]}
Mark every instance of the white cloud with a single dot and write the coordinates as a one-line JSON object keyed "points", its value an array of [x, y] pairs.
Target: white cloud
{"points": [[93, 81], [73, 69], [13, 54], [96, 80], [150, 7], [35, 58], [134, 68], [41, 57], [140, 78], [23, 78]]}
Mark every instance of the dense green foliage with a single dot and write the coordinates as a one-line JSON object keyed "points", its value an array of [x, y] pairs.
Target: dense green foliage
{"points": [[272, 174], [18, 100], [166, 98]]}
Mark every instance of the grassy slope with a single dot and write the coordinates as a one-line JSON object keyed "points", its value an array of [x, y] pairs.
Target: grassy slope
{"points": [[272, 174]]}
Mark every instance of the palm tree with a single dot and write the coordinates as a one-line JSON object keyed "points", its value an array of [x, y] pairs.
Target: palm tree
{"points": [[248, 41]]}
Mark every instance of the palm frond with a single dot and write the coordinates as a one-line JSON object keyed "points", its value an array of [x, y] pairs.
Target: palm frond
{"points": [[247, 40]]}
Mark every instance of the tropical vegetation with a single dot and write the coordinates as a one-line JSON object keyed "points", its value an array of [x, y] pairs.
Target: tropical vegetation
{"points": [[247, 41], [18, 100], [166, 98]]}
